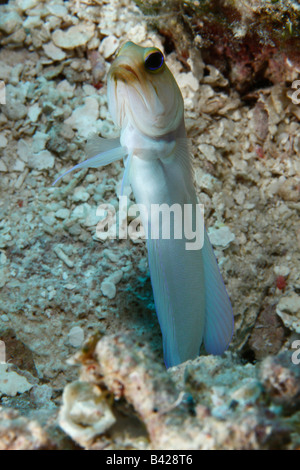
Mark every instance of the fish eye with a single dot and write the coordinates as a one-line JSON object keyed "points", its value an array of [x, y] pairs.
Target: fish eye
{"points": [[154, 61]]}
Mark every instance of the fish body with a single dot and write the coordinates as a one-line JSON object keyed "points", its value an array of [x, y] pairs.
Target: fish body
{"points": [[189, 294]]}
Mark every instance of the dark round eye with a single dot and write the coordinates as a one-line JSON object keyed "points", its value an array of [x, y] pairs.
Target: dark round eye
{"points": [[154, 61]]}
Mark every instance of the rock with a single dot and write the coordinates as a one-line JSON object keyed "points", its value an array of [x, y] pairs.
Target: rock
{"points": [[41, 395], [91, 219], [108, 289], [3, 141], [116, 277], [27, 4], [16, 74], [57, 144], [54, 52], [20, 433], [205, 181], [85, 412], [63, 256], [10, 22], [11, 383], [108, 46], [16, 38], [49, 220], [267, 336], [282, 271], [34, 112], [216, 403], [288, 309], [209, 152], [290, 304], [57, 10], [220, 237], [32, 22], [18, 165], [14, 110], [41, 161], [5, 71], [80, 194], [76, 336], [39, 141], [17, 352], [62, 213], [84, 117], [3, 167], [75, 36], [66, 89], [81, 211], [289, 189], [281, 379], [3, 258], [188, 80], [138, 33], [98, 65], [24, 150]]}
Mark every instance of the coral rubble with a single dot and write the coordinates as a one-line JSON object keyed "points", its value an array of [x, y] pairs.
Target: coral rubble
{"points": [[236, 63]]}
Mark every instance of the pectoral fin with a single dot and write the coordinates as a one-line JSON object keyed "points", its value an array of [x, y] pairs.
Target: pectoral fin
{"points": [[109, 151]]}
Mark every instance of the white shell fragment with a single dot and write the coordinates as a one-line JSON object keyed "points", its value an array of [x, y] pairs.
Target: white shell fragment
{"points": [[84, 117], [41, 160], [12, 383], [54, 52], [288, 309], [76, 336], [85, 412], [108, 46], [75, 36], [108, 289], [221, 237]]}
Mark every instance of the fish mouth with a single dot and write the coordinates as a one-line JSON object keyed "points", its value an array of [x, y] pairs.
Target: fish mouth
{"points": [[123, 71]]}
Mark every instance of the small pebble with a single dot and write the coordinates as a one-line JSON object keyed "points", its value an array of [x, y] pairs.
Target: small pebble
{"points": [[62, 213], [62, 255], [108, 46], [80, 195], [108, 289], [282, 271], [76, 336], [220, 236]]}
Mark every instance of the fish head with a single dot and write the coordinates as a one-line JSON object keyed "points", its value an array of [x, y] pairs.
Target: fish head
{"points": [[143, 92]]}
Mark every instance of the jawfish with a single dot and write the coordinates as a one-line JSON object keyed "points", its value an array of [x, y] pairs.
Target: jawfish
{"points": [[190, 298]]}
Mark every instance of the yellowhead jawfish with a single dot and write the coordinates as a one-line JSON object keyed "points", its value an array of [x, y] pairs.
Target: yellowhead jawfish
{"points": [[190, 297]]}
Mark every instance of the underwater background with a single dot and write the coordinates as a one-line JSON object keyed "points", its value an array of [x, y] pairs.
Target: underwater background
{"points": [[81, 361]]}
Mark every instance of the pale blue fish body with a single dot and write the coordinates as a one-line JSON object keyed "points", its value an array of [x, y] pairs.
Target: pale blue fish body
{"points": [[190, 297]]}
